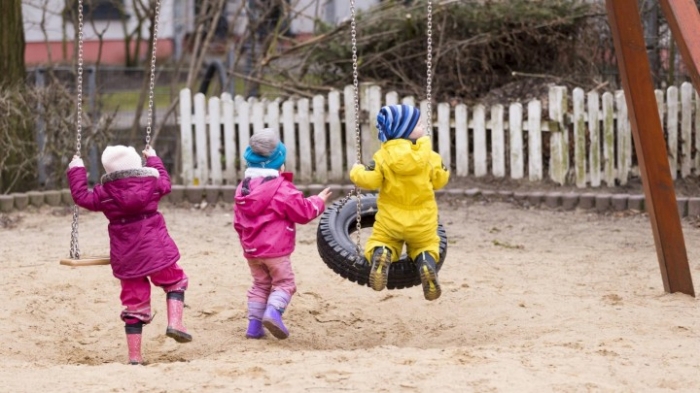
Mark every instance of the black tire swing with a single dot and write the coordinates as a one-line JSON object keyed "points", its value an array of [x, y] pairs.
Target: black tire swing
{"points": [[349, 215]]}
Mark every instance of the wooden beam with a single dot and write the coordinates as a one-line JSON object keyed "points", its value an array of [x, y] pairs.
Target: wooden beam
{"points": [[630, 50], [684, 19]]}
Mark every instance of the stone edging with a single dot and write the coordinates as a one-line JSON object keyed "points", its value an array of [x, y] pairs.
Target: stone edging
{"points": [[602, 202]]}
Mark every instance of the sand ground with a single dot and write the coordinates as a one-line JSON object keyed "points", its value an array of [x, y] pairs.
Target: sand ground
{"points": [[533, 301]]}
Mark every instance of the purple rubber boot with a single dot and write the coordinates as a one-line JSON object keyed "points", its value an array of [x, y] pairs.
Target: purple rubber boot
{"points": [[255, 315], [272, 320]]}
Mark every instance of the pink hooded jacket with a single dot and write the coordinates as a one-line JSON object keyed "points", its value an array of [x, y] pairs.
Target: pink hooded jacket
{"points": [[265, 218], [139, 242]]}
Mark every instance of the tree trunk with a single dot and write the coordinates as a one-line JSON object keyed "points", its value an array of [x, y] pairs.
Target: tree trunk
{"points": [[15, 174], [12, 69]]}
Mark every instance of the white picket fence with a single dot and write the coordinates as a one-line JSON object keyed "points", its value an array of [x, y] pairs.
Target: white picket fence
{"points": [[589, 141]]}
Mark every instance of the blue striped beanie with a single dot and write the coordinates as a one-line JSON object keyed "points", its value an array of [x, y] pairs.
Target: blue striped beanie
{"points": [[396, 121]]}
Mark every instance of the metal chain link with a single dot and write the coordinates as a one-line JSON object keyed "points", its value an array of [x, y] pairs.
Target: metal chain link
{"points": [[358, 144], [152, 83], [74, 246], [429, 81]]}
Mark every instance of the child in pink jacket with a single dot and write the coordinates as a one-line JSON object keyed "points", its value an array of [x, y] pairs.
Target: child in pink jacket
{"points": [[267, 207], [140, 246]]}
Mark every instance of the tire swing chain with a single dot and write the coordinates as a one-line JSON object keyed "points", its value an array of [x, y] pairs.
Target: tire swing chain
{"points": [[358, 145], [74, 245], [429, 74]]}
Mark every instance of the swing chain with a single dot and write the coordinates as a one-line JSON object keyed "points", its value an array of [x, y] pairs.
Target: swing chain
{"points": [[429, 80], [152, 82], [74, 246], [358, 145]]}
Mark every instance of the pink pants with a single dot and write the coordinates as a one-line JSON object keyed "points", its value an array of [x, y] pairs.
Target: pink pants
{"points": [[136, 292], [273, 281]]}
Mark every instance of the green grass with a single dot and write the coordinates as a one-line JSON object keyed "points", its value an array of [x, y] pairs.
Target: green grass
{"points": [[127, 100]]}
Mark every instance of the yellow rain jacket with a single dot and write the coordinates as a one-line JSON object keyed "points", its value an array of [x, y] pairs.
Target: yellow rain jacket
{"points": [[406, 175]]}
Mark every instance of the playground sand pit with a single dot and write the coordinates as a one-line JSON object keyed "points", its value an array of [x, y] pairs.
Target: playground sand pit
{"points": [[533, 301]]}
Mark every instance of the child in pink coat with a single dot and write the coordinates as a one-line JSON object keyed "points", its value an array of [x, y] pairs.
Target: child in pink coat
{"points": [[140, 246], [267, 207]]}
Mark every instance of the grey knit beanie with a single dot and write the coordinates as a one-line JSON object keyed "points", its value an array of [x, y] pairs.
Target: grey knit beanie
{"points": [[264, 142]]}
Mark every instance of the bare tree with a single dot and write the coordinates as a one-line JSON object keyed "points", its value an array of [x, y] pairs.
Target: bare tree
{"points": [[12, 70]]}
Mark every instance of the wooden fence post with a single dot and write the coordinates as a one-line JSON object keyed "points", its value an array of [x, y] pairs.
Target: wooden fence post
{"points": [[215, 140], [200, 129], [498, 142], [336, 142], [594, 129], [672, 129], [579, 138], [558, 135], [186, 144], [229, 139], [686, 128], [289, 132], [479, 141], [461, 140], [320, 156], [534, 137], [443, 123], [515, 126]]}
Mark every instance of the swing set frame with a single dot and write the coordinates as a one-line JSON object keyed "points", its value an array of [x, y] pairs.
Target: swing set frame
{"points": [[630, 49]]}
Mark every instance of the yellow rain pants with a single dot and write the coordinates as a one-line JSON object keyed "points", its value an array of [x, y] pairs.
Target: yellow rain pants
{"points": [[406, 175]]}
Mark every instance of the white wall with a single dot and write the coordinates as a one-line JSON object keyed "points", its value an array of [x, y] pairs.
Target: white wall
{"points": [[32, 11], [304, 13], [339, 10], [175, 15]]}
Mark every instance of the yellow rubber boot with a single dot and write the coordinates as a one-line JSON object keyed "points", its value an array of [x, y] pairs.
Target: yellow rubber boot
{"points": [[427, 270], [379, 274]]}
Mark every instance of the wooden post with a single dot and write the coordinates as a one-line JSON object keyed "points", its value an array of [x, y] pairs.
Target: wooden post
{"points": [[684, 20], [630, 50]]}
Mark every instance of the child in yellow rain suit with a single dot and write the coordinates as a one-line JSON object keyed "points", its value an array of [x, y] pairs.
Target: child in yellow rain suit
{"points": [[406, 171]]}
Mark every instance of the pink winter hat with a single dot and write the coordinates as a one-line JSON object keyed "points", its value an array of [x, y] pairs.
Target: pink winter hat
{"points": [[120, 158]]}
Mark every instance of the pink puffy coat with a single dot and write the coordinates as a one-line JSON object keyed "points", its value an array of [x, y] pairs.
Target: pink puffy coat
{"points": [[265, 219], [139, 241]]}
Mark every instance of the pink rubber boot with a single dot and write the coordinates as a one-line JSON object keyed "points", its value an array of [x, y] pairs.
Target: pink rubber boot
{"points": [[176, 330], [133, 341]]}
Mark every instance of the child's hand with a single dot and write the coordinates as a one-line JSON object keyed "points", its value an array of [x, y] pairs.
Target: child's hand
{"points": [[325, 194], [356, 165], [149, 152], [76, 162]]}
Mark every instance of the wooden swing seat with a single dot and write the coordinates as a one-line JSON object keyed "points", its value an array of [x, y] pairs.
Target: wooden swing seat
{"points": [[85, 261]]}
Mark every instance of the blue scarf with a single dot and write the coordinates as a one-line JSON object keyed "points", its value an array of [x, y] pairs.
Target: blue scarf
{"points": [[274, 161]]}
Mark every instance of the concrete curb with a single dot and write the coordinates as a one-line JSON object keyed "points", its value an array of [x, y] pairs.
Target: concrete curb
{"points": [[66, 197], [556, 200], [52, 198], [212, 194], [36, 198], [7, 203], [21, 201], [194, 194], [177, 194], [694, 207]]}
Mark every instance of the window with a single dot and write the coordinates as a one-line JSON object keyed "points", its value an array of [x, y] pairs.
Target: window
{"points": [[97, 9]]}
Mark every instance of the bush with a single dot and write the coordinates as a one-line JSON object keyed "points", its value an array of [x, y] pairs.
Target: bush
{"points": [[23, 111], [477, 46]]}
